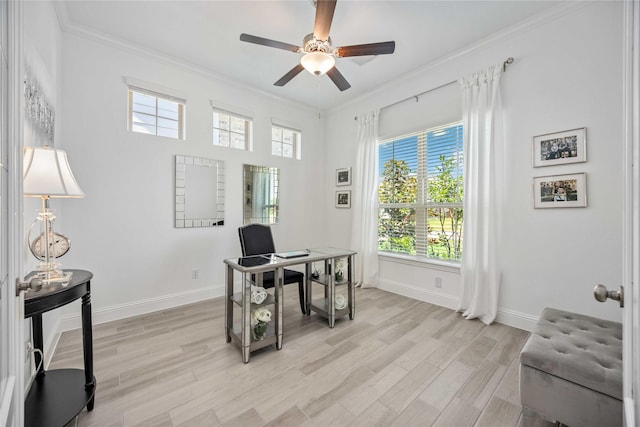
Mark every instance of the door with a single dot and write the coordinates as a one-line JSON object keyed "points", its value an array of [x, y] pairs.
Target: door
{"points": [[631, 223], [11, 322]]}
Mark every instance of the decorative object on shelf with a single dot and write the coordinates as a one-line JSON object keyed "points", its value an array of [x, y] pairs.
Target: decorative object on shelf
{"points": [[258, 295], [315, 273], [560, 191], [261, 317], [37, 109], [569, 146], [340, 302], [47, 174], [343, 176], [340, 267], [343, 199]]}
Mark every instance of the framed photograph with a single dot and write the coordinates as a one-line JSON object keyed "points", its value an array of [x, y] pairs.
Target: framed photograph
{"points": [[343, 176], [560, 191], [560, 148], [343, 199]]}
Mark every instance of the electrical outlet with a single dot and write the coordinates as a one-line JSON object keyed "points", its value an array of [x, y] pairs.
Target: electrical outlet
{"points": [[438, 282], [195, 273]]}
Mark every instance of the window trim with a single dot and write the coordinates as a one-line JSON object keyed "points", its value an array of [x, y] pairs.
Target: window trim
{"points": [[453, 266]]}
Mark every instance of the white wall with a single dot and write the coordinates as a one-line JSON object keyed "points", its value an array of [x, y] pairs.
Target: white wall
{"points": [[123, 230], [42, 57], [567, 74]]}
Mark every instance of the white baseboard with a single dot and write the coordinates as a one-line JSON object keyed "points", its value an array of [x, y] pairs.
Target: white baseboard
{"points": [[136, 308], [516, 319], [121, 311], [421, 294], [506, 317]]}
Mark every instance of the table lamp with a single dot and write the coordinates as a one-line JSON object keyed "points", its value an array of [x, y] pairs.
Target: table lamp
{"points": [[47, 174]]}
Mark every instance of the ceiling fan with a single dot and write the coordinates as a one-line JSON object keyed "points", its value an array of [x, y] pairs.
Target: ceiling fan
{"points": [[319, 57]]}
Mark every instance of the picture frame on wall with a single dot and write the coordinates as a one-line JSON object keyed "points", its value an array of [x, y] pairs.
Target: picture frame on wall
{"points": [[343, 176], [560, 191], [343, 199], [559, 148]]}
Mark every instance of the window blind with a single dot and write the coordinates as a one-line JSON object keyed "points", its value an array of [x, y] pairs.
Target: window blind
{"points": [[420, 189]]}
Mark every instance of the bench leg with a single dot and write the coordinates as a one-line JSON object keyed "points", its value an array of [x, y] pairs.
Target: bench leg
{"points": [[528, 417], [531, 418]]}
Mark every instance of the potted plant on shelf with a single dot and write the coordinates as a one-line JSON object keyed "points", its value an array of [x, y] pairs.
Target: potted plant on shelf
{"points": [[261, 317]]}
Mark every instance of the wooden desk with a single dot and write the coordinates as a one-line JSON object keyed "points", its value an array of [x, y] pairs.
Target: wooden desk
{"points": [[260, 264], [57, 396]]}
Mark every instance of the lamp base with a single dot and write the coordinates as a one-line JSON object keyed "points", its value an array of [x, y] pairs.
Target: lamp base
{"points": [[50, 275]]}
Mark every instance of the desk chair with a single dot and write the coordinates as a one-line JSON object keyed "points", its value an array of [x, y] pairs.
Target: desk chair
{"points": [[256, 239]]}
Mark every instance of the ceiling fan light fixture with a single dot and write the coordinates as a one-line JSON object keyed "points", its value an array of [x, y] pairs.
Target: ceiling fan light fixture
{"points": [[317, 62]]}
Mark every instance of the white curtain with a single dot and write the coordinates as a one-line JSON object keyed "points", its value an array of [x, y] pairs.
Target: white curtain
{"points": [[483, 182], [364, 202]]}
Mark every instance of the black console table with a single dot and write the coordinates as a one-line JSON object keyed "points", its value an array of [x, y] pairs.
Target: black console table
{"points": [[58, 396]]}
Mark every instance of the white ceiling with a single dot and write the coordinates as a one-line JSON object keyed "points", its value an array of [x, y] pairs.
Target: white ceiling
{"points": [[205, 35]]}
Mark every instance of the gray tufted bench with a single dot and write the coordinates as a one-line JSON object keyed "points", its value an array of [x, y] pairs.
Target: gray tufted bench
{"points": [[571, 370]]}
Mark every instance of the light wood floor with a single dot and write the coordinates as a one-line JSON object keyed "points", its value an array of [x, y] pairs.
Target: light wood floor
{"points": [[400, 362]]}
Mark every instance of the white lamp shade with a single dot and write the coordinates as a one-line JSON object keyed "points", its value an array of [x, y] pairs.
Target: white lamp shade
{"points": [[47, 173], [317, 62]]}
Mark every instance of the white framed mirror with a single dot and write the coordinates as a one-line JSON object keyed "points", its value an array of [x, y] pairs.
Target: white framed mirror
{"points": [[261, 191], [199, 192]]}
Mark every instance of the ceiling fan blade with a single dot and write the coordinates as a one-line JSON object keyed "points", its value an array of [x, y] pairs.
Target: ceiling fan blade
{"points": [[324, 16], [382, 48], [268, 42], [339, 80], [291, 74]]}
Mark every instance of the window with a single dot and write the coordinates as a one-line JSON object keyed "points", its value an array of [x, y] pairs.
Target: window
{"points": [[285, 142], [420, 182], [156, 114], [231, 130]]}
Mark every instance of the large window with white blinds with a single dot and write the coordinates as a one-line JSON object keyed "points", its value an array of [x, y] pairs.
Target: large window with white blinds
{"points": [[155, 113], [420, 187]]}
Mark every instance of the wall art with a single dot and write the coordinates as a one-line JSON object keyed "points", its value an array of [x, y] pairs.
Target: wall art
{"points": [[560, 148], [343, 199], [560, 191], [343, 176], [37, 109]]}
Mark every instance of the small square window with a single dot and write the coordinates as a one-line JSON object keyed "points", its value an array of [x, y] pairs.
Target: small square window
{"points": [[285, 142], [231, 130], [156, 114]]}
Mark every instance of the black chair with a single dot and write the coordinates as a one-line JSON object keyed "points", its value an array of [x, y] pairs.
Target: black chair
{"points": [[256, 239]]}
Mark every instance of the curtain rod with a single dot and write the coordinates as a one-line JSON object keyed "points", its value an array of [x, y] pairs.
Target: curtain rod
{"points": [[504, 67]]}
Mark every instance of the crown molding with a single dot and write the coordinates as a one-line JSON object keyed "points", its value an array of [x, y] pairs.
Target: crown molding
{"points": [[529, 24], [532, 23], [68, 27], [62, 14]]}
